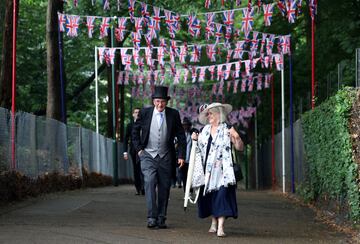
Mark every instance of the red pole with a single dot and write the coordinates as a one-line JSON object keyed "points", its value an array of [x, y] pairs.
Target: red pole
{"points": [[13, 162], [272, 136], [312, 63]]}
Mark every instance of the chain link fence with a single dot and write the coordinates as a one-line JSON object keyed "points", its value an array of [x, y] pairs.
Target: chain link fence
{"points": [[45, 145]]}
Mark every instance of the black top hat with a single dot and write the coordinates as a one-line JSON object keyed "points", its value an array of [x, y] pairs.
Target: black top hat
{"points": [[160, 92], [186, 121]]}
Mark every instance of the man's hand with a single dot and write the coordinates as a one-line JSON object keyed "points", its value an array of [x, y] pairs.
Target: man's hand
{"points": [[140, 152], [181, 162]]}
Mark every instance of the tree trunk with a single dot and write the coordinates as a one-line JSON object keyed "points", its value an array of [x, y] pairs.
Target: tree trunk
{"points": [[53, 109], [6, 56]]}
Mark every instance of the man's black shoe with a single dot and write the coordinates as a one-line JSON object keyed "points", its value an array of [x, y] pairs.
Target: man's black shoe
{"points": [[152, 224], [161, 223], [142, 192]]}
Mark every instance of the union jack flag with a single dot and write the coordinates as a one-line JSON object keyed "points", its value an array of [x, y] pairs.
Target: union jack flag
{"points": [[291, 10], [138, 25], [270, 44], [299, 11], [177, 77], [183, 54], [268, 78], [211, 52], [250, 82], [141, 64], [196, 53], [163, 45], [268, 12], [209, 29], [119, 31], [144, 12], [110, 56], [186, 74], [152, 32], [62, 21], [136, 56], [259, 82], [174, 48], [218, 33], [254, 42], [72, 25], [313, 8], [104, 27], [131, 9], [281, 4], [128, 62], [212, 71], [202, 74], [161, 54], [248, 19], [263, 42], [170, 23], [148, 55], [237, 69], [136, 39], [193, 74], [279, 61], [106, 4], [235, 88], [247, 67], [207, 3], [90, 25], [101, 54], [221, 88], [229, 54], [227, 71], [238, 51], [228, 35], [194, 26], [228, 18], [157, 18], [285, 44], [220, 72], [243, 84]]}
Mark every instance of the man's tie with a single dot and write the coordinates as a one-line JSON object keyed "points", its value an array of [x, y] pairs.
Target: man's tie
{"points": [[161, 119]]}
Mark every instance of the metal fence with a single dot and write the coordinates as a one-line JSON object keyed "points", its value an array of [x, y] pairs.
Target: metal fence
{"points": [[45, 145]]}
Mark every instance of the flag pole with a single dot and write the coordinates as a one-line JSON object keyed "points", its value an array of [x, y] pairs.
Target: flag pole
{"points": [[97, 112], [273, 176], [13, 90], [283, 125], [313, 62]]}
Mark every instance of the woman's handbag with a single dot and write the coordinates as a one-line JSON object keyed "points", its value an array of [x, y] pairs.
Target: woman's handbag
{"points": [[236, 165]]}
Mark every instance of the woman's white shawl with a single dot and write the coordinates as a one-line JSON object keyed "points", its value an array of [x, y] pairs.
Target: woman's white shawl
{"points": [[219, 169]]}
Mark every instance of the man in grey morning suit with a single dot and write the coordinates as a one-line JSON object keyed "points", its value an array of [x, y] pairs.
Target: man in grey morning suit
{"points": [[153, 138]]}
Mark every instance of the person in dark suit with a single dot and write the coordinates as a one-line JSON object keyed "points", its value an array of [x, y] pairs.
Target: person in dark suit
{"points": [[138, 177], [153, 139]]}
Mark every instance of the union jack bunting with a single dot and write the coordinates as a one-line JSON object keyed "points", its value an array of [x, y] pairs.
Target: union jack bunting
{"points": [[90, 25], [120, 78], [156, 75], [220, 72], [110, 56], [313, 8], [148, 54], [177, 77], [193, 74], [229, 54], [174, 48], [123, 54], [243, 84], [221, 88], [270, 44], [281, 4], [239, 50], [106, 4], [141, 64], [157, 18], [186, 74], [194, 26], [291, 10], [268, 12], [227, 71], [72, 25], [196, 53], [285, 44], [126, 78], [254, 62], [183, 54], [248, 19], [128, 62], [299, 6], [228, 36], [104, 27], [228, 18], [212, 71], [279, 61], [254, 42], [131, 4], [62, 21], [161, 53], [268, 78], [218, 33], [144, 12], [138, 25], [237, 69], [202, 74], [136, 56], [207, 3], [250, 82], [235, 88], [152, 32], [263, 42], [209, 29], [119, 31], [247, 67], [101, 54], [211, 52], [136, 37], [259, 82]]}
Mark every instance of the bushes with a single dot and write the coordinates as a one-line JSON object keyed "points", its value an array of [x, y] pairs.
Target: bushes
{"points": [[332, 171], [15, 186]]}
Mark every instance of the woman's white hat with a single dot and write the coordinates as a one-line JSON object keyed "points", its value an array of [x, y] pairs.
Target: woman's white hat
{"points": [[204, 109]]}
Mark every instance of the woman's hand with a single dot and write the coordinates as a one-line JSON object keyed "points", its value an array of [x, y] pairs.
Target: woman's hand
{"points": [[194, 136], [236, 140]]}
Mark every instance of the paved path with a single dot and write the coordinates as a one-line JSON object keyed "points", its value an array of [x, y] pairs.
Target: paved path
{"points": [[116, 215]]}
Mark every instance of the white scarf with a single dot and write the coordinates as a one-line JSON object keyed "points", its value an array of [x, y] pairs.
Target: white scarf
{"points": [[219, 169]]}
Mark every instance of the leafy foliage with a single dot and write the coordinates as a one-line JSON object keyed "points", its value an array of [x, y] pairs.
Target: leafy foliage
{"points": [[332, 172]]}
